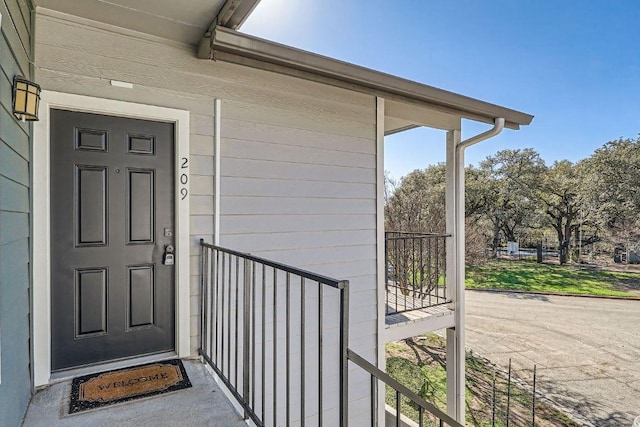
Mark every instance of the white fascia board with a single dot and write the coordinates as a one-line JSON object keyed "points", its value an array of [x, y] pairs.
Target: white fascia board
{"points": [[243, 45]]}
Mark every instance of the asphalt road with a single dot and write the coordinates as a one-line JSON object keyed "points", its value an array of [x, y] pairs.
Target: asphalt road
{"points": [[587, 350]]}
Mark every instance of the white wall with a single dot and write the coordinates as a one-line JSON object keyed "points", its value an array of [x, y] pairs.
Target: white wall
{"points": [[298, 166], [299, 192]]}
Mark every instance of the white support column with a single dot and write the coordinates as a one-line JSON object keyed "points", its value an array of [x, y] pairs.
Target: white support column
{"points": [[380, 252], [453, 138], [455, 276]]}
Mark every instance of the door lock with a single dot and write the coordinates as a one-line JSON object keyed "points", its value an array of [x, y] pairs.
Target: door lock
{"points": [[168, 258]]}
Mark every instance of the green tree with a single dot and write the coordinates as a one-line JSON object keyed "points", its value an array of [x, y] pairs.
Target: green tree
{"points": [[561, 203], [417, 203], [611, 189], [507, 190]]}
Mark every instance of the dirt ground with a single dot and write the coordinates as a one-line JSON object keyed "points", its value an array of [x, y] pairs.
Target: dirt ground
{"points": [[487, 397]]}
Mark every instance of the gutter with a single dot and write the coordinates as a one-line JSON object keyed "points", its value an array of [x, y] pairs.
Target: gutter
{"points": [[231, 46], [498, 126]]}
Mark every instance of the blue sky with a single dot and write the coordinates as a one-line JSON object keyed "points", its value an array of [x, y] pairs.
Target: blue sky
{"points": [[574, 65]]}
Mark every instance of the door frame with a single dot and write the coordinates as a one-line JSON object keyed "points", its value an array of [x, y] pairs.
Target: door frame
{"points": [[41, 204]]}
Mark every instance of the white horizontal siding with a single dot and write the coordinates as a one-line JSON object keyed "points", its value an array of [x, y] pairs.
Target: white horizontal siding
{"points": [[242, 186], [304, 193], [320, 256], [201, 205], [201, 185], [294, 171], [300, 138], [272, 188], [242, 224], [252, 150], [262, 242], [289, 115], [348, 270], [201, 165], [201, 144], [251, 205]]}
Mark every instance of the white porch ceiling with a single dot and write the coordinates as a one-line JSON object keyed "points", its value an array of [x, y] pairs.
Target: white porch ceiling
{"points": [[399, 116], [183, 21]]}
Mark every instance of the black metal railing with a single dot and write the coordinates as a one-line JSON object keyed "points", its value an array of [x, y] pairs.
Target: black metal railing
{"points": [[428, 414], [415, 266], [266, 326]]}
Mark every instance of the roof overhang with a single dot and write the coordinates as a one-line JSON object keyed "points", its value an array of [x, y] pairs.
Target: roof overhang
{"points": [[235, 12], [179, 21], [231, 46]]}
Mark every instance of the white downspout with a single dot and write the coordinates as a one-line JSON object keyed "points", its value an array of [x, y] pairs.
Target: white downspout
{"points": [[459, 235], [498, 126]]}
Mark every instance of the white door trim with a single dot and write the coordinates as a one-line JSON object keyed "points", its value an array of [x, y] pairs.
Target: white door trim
{"points": [[41, 312]]}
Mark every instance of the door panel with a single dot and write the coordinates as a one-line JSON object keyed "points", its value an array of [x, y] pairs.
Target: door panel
{"points": [[141, 212], [91, 205], [91, 304], [112, 195], [141, 144], [141, 291], [91, 139]]}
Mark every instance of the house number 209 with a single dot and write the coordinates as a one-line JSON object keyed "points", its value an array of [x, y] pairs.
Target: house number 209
{"points": [[184, 178]]}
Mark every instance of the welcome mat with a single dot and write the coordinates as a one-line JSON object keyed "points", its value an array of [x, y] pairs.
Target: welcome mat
{"points": [[121, 385]]}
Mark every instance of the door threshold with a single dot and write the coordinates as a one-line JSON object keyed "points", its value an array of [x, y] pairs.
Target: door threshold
{"points": [[69, 374]]}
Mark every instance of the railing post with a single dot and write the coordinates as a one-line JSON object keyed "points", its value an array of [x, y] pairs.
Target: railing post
{"points": [[245, 334], [386, 272], [344, 354], [374, 401], [203, 252]]}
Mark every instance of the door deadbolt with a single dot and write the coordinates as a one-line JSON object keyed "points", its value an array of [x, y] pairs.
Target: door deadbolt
{"points": [[168, 258]]}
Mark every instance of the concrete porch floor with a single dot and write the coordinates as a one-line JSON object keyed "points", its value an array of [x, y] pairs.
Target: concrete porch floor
{"points": [[204, 404]]}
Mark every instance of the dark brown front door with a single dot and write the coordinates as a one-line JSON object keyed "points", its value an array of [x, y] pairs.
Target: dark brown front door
{"points": [[112, 216]]}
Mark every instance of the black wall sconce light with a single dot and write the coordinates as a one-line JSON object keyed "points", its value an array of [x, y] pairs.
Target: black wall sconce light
{"points": [[26, 99]]}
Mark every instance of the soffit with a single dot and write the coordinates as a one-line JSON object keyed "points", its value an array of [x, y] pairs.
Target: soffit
{"points": [[182, 21], [399, 116]]}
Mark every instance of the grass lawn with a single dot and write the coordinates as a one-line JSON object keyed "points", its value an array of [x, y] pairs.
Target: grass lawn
{"points": [[419, 364], [530, 276]]}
